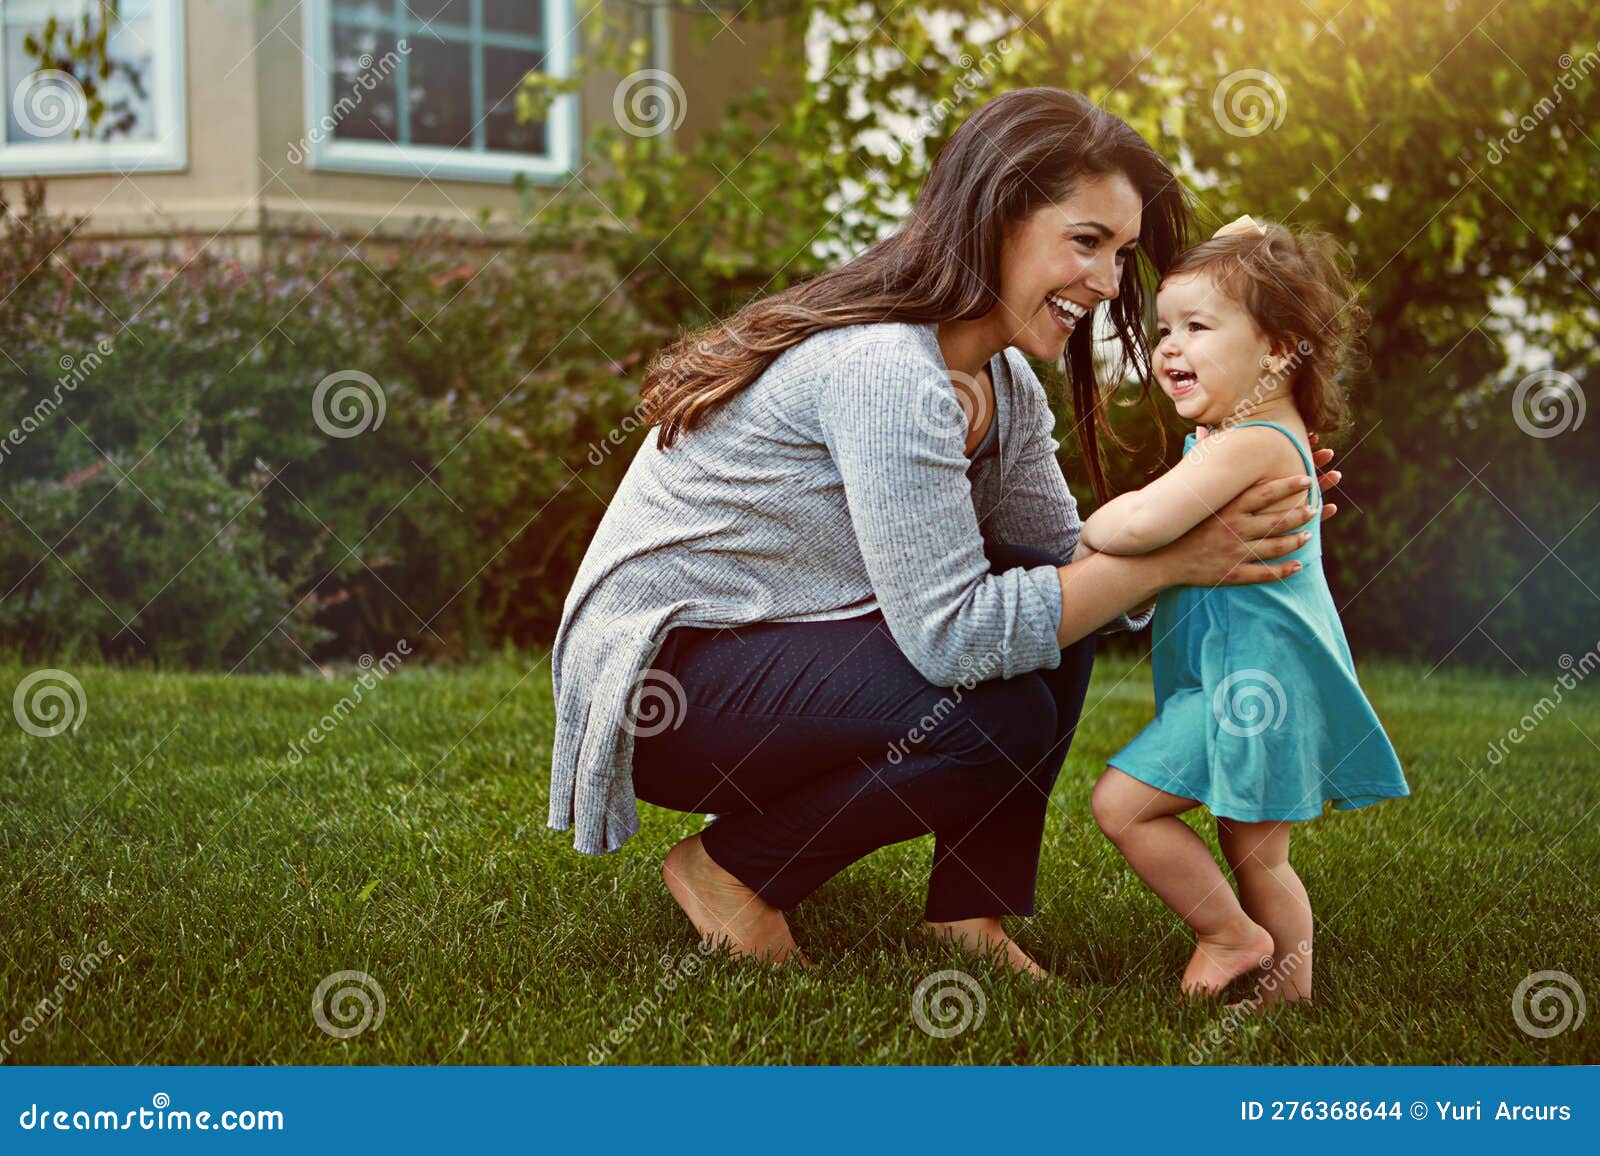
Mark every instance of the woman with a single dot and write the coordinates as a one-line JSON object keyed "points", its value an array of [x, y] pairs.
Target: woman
{"points": [[839, 599]]}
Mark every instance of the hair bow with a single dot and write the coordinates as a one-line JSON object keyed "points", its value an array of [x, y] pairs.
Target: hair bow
{"points": [[1244, 224]]}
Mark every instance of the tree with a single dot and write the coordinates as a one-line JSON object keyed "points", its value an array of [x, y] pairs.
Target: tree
{"points": [[1451, 150], [1452, 153]]}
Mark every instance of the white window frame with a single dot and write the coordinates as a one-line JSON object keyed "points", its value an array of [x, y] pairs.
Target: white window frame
{"points": [[323, 151], [168, 152]]}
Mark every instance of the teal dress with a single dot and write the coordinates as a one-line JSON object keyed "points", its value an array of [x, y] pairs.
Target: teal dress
{"points": [[1259, 713]]}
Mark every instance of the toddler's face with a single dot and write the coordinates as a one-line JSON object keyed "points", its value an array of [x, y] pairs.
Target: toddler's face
{"points": [[1209, 356]]}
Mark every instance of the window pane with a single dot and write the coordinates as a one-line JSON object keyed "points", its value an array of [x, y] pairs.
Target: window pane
{"points": [[503, 69], [363, 82], [130, 113], [441, 93], [445, 11], [364, 11], [49, 108], [524, 16]]}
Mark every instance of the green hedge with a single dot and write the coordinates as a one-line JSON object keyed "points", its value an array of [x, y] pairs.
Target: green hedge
{"points": [[170, 497]]}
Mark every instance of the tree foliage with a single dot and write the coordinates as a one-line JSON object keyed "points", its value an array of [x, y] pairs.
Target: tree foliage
{"points": [[1451, 148]]}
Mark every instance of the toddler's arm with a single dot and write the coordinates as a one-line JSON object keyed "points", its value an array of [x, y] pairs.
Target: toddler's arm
{"points": [[1218, 469]]}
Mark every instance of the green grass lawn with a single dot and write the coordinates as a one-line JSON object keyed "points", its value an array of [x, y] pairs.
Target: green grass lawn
{"points": [[228, 881]]}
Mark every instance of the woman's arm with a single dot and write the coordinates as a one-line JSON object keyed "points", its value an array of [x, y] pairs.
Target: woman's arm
{"points": [[1098, 588], [1037, 508], [1216, 471], [1235, 547], [911, 510], [1138, 615]]}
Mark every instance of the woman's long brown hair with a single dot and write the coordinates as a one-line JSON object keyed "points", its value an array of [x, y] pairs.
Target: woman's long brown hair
{"points": [[1019, 152]]}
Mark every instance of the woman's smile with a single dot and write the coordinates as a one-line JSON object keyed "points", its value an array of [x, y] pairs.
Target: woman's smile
{"points": [[1065, 312]]}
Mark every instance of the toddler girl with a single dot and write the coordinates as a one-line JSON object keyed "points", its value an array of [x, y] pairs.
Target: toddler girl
{"points": [[1260, 716]]}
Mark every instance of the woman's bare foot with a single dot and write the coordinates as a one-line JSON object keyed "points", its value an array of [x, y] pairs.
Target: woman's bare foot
{"points": [[985, 937], [1218, 960], [725, 911]]}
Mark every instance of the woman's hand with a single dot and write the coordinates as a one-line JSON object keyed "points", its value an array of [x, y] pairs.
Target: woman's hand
{"points": [[1319, 458], [1325, 480], [1225, 549]]}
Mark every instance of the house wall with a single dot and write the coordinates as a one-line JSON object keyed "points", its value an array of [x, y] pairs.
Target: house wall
{"points": [[245, 106], [216, 192]]}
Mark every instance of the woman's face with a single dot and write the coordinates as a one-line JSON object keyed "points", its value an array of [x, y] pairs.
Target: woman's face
{"points": [[1063, 260]]}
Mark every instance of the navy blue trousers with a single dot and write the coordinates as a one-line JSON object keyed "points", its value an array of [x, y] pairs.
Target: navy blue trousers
{"points": [[815, 743]]}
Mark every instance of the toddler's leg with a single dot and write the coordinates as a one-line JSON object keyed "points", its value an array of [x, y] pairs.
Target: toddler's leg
{"points": [[1274, 897], [1177, 865]]}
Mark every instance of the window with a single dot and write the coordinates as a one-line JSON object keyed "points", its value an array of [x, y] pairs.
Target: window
{"points": [[46, 129], [428, 87]]}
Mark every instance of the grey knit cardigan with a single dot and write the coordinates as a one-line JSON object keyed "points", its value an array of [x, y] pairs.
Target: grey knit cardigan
{"points": [[836, 484]]}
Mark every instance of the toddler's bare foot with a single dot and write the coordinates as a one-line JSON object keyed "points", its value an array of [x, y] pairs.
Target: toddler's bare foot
{"points": [[1256, 1004], [985, 937], [1271, 992], [724, 910], [1286, 981], [1218, 960]]}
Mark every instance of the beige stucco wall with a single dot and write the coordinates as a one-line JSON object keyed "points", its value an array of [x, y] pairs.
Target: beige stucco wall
{"points": [[216, 191], [716, 63], [245, 106]]}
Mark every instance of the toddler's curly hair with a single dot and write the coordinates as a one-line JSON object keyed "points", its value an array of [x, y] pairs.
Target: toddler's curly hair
{"points": [[1297, 286]]}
